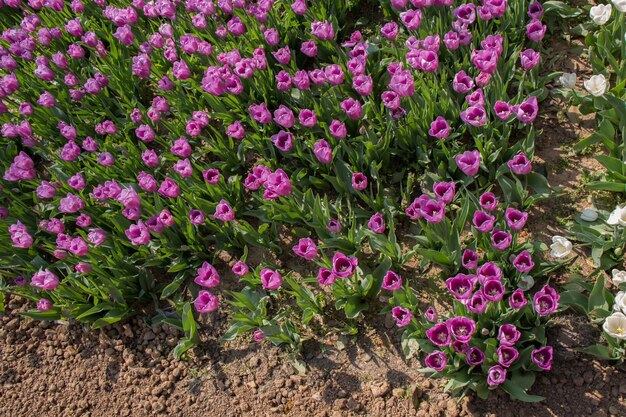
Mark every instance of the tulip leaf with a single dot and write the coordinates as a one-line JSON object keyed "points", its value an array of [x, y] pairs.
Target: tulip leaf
{"points": [[378, 275], [518, 393], [354, 306], [598, 350], [596, 298]]}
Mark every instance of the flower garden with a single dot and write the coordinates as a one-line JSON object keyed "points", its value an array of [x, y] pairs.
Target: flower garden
{"points": [[280, 173]]}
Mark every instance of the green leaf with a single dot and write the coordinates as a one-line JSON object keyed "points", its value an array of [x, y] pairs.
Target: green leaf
{"points": [[52, 314], [518, 393], [561, 9], [189, 323], [173, 286], [596, 298], [182, 346], [598, 350], [111, 317], [616, 187], [575, 300], [378, 274], [435, 256], [354, 306]]}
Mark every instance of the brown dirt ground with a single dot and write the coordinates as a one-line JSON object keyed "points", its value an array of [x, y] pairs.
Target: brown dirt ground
{"points": [[50, 369]]}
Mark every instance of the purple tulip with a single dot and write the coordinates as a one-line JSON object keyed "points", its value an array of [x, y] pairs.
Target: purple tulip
{"points": [[44, 280], [205, 302], [392, 281], [459, 347], [325, 276], [322, 30], [468, 162], [451, 40], [500, 239], [445, 191], [546, 301], [496, 375], [529, 59], [462, 83], [542, 357], [507, 355], [535, 30], [258, 335], [277, 185], [439, 128], [333, 226], [432, 211], [436, 360], [306, 249], [207, 276], [493, 290], [169, 188], [44, 304], [469, 259], [390, 30], [485, 60], [344, 267], [431, 314], [517, 300], [240, 269], [489, 271], [271, 280], [403, 84], [474, 356], [323, 152], [474, 116], [488, 201], [524, 262], [508, 335], [477, 98], [527, 111], [502, 109], [352, 108], [224, 212], [20, 236], [515, 219], [462, 328], [461, 286], [478, 303], [376, 223], [520, 164], [338, 129], [402, 315], [483, 222], [284, 117], [138, 234], [411, 19], [359, 181], [535, 10], [439, 334]]}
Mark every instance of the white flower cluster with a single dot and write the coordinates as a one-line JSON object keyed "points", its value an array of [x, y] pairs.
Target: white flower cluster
{"points": [[615, 324]]}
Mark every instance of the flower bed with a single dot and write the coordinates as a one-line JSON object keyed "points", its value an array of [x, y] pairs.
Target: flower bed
{"points": [[142, 142]]}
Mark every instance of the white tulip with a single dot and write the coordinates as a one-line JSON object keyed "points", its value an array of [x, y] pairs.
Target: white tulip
{"points": [[568, 80], [615, 326], [620, 5], [601, 13], [526, 282], [620, 302], [618, 277], [560, 247], [618, 216], [597, 85], [589, 215]]}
